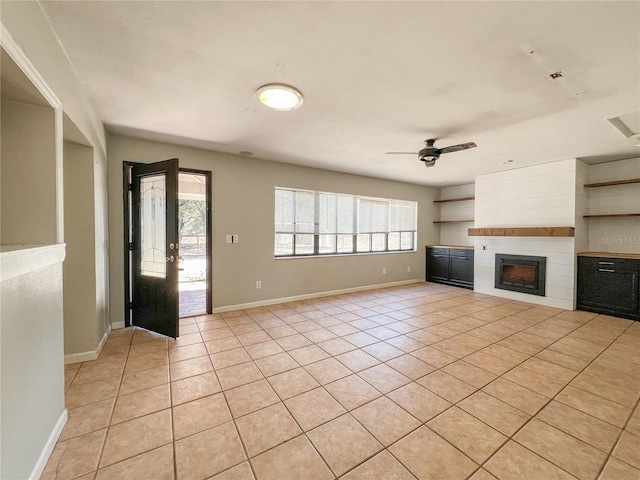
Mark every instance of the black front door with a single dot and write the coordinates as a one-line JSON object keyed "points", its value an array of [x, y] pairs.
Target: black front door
{"points": [[154, 246]]}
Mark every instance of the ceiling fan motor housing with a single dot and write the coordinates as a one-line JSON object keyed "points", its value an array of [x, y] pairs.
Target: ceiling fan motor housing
{"points": [[428, 155]]}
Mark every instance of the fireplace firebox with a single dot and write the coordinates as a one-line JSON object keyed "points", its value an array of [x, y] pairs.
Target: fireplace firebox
{"points": [[521, 273]]}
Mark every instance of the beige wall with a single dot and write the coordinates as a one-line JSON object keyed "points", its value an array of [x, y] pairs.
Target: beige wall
{"points": [[79, 266], [243, 204], [28, 215], [30, 29]]}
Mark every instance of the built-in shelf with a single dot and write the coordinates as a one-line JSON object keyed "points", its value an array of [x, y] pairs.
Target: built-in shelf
{"points": [[461, 199], [614, 182], [453, 221], [613, 215], [523, 232]]}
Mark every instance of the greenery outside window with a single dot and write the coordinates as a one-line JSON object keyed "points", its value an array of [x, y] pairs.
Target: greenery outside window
{"points": [[310, 223]]}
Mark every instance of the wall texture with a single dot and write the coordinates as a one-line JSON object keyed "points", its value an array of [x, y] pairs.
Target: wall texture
{"points": [[32, 370], [243, 204]]}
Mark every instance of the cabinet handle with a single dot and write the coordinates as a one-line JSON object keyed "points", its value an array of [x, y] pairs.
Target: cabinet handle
{"points": [[606, 270], [605, 263]]}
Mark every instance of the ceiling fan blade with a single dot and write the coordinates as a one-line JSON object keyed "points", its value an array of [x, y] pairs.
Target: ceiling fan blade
{"points": [[402, 153], [457, 148]]}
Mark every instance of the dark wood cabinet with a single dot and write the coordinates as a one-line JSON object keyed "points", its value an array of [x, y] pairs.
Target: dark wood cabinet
{"points": [[451, 266], [609, 286]]}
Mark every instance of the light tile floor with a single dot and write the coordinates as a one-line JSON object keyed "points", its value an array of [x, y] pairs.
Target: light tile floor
{"points": [[421, 381]]}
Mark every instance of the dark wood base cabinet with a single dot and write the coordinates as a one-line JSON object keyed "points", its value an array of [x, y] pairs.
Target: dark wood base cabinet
{"points": [[609, 286], [451, 266]]}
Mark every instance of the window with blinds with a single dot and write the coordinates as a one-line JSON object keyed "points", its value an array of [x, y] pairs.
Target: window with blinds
{"points": [[321, 223]]}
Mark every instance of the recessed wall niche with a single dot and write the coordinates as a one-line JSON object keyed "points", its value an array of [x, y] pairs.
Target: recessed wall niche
{"points": [[28, 170]]}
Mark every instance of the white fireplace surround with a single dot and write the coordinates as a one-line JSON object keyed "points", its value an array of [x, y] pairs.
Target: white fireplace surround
{"points": [[539, 196]]}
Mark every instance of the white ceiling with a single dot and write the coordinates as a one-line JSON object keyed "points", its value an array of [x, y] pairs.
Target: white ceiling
{"points": [[376, 77]]}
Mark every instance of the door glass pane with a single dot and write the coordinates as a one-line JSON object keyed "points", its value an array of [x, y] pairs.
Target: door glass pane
{"points": [[152, 226]]}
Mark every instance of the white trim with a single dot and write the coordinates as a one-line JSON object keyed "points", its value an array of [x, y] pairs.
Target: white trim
{"points": [[307, 296], [38, 468], [22, 61], [117, 325], [89, 355], [17, 260]]}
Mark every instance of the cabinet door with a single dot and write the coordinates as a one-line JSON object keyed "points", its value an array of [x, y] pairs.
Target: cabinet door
{"points": [[607, 286], [437, 267], [462, 269]]}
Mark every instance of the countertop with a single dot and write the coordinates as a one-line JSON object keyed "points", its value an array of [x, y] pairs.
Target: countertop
{"points": [[630, 256], [470, 247]]}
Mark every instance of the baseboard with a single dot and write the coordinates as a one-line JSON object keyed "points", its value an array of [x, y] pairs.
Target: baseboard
{"points": [[117, 325], [89, 355], [48, 447], [296, 298]]}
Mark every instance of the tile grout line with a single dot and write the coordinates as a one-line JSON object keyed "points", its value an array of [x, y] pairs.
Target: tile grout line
{"points": [[380, 362]]}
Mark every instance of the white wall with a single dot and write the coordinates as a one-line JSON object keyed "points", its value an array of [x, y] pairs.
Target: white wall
{"points": [[542, 195], [32, 409], [243, 204], [622, 234], [456, 233], [582, 207]]}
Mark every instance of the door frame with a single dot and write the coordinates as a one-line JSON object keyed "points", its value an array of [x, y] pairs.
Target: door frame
{"points": [[208, 230], [127, 232]]}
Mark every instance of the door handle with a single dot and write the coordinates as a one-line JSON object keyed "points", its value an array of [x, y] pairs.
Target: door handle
{"points": [[171, 259]]}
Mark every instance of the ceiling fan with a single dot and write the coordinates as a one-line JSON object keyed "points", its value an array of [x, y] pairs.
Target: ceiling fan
{"points": [[429, 154]]}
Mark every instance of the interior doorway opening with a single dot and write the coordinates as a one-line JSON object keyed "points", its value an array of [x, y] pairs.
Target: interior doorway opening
{"points": [[194, 239]]}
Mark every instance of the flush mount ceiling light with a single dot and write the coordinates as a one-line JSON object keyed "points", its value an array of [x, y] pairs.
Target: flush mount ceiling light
{"points": [[279, 97]]}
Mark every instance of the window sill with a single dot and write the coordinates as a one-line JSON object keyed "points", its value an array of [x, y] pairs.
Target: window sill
{"points": [[334, 255]]}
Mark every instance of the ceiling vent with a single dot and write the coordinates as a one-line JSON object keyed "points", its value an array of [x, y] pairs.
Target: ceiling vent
{"points": [[627, 124]]}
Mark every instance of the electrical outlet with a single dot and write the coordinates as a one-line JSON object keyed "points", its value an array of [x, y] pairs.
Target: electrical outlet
{"points": [[258, 285], [229, 238], [408, 269], [234, 239], [384, 271]]}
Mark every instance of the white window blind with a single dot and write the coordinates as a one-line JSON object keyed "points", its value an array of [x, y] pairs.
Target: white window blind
{"points": [[321, 223]]}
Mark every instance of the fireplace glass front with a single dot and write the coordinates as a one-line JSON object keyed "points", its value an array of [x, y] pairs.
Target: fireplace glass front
{"points": [[521, 273]]}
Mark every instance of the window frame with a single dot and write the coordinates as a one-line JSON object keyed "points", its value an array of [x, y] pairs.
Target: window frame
{"points": [[358, 202]]}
